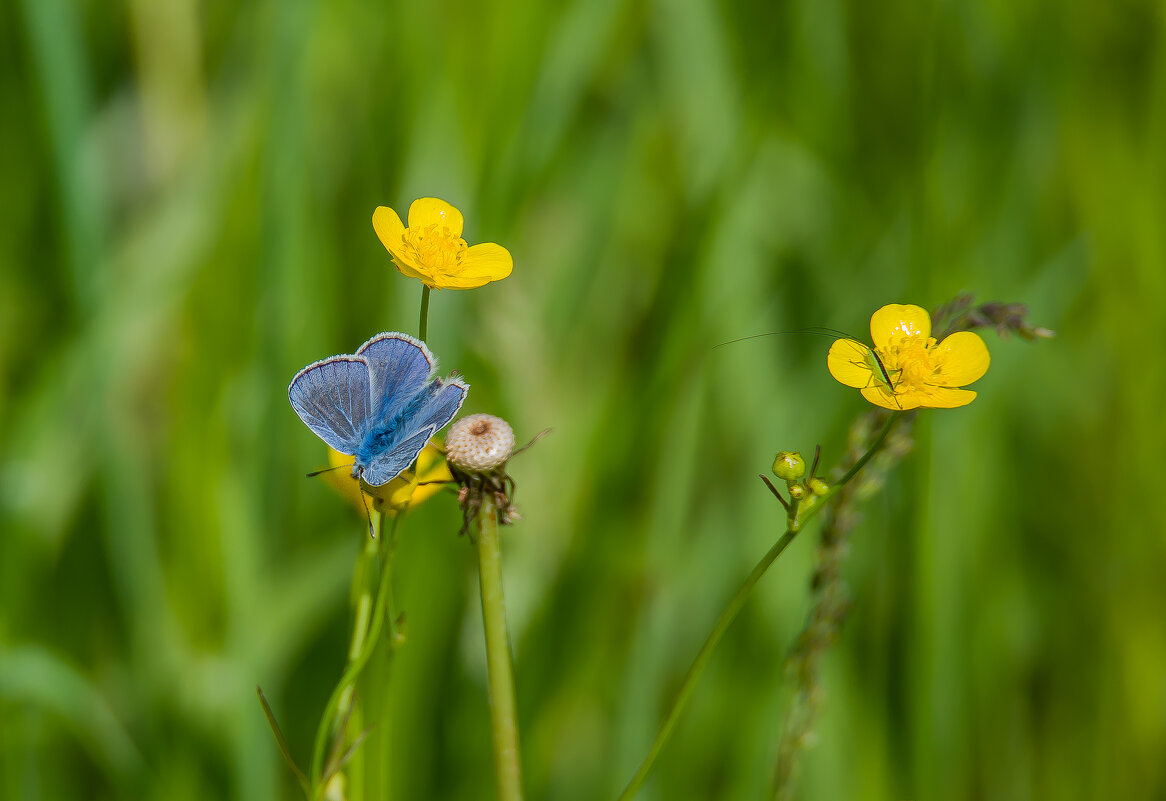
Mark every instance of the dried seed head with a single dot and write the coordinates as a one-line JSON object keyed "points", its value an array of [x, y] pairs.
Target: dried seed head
{"points": [[479, 443]]}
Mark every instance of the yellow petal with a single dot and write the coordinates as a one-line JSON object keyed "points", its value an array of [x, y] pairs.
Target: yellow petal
{"points": [[406, 490], [962, 358], [431, 466], [426, 490], [410, 269], [946, 398], [448, 282], [398, 492], [430, 210], [880, 397], [342, 480], [847, 362], [480, 265], [412, 488], [487, 260], [389, 228], [899, 320], [431, 469]]}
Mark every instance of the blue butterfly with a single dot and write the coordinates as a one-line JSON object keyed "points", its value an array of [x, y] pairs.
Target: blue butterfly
{"points": [[379, 405]]}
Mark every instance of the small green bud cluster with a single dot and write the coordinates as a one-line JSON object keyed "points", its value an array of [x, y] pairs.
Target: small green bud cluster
{"points": [[790, 467]]}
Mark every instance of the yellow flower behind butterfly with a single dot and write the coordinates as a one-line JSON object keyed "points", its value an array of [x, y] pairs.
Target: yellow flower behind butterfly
{"points": [[408, 489], [432, 250], [907, 368]]}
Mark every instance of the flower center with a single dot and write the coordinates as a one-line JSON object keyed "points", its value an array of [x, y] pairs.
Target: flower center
{"points": [[435, 247], [909, 362]]}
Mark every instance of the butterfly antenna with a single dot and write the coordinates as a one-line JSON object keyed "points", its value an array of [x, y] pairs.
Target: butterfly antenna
{"points": [[367, 513], [328, 469]]}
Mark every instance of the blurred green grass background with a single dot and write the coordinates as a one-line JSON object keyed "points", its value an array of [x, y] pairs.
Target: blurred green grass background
{"points": [[187, 193]]}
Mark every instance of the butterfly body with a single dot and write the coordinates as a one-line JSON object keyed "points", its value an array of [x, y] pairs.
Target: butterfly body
{"points": [[380, 405]]}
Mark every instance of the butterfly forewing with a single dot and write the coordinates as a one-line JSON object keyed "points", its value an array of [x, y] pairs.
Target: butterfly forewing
{"points": [[334, 398], [400, 367]]}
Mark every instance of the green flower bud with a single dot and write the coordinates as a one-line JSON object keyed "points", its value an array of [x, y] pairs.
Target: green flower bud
{"points": [[789, 466], [818, 486]]}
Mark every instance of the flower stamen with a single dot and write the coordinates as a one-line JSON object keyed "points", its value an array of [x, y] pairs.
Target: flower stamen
{"points": [[434, 246]]}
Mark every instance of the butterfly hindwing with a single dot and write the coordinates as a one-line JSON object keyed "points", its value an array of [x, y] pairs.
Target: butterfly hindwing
{"points": [[383, 467], [334, 398], [395, 443], [440, 405]]}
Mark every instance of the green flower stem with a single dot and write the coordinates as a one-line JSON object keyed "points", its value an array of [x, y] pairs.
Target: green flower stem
{"points": [[723, 622], [507, 760], [388, 555], [423, 325], [365, 600], [369, 770], [365, 635], [871, 451], [799, 515]]}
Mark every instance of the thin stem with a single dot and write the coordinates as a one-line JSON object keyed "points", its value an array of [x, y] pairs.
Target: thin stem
{"points": [[365, 601], [365, 635], [282, 743], [686, 687], [388, 556], [507, 760], [878, 443], [380, 693], [423, 324], [773, 489], [797, 521], [830, 605]]}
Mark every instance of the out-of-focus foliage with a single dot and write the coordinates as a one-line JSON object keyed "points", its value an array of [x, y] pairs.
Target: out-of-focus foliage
{"points": [[186, 198]]}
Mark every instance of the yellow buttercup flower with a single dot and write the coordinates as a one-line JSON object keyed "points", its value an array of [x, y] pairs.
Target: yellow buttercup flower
{"points": [[408, 489], [907, 368], [432, 249]]}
